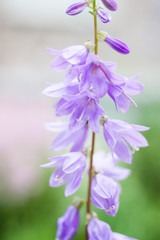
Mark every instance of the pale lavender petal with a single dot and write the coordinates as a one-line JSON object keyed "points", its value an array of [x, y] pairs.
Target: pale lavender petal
{"points": [[86, 78], [54, 51], [123, 151], [123, 103], [79, 138], [75, 161], [65, 108], [118, 236], [139, 127], [135, 139], [98, 230], [54, 90], [133, 87], [58, 178], [74, 183], [109, 137], [62, 141], [56, 126], [99, 83], [55, 161], [59, 64], [75, 54]]}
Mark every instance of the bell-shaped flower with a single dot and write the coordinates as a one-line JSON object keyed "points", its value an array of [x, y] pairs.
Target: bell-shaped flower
{"points": [[67, 57], [84, 109], [105, 164], [118, 236], [121, 99], [76, 8], [120, 136], [97, 75], [67, 137], [60, 89], [70, 168], [110, 4], [103, 15], [105, 194], [99, 230], [68, 224]]}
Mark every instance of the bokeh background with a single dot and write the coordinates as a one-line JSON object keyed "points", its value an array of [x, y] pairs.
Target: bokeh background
{"points": [[28, 207]]}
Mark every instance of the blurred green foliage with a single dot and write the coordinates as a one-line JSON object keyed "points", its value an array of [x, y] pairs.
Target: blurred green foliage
{"points": [[139, 212]]}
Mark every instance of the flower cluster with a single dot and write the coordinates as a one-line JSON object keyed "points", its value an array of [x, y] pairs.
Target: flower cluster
{"points": [[87, 80]]}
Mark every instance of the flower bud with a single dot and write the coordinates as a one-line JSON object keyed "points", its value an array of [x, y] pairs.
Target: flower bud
{"points": [[76, 8], [117, 45], [110, 4], [104, 16], [114, 43], [68, 224]]}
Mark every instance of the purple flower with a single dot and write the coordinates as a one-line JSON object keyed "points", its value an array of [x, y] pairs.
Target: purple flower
{"points": [[67, 137], [110, 4], [105, 194], [105, 164], [83, 107], [121, 98], [70, 169], [118, 236], [76, 8], [68, 224], [96, 74], [103, 15], [117, 44], [69, 56], [120, 135], [59, 89], [98, 230]]}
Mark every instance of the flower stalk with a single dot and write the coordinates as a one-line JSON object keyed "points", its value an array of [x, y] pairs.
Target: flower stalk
{"points": [[88, 207]]}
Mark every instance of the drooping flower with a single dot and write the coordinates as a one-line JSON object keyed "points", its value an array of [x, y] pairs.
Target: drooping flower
{"points": [[98, 75], [121, 98], [105, 164], [103, 15], [99, 230], [120, 135], [105, 194], [83, 107], [60, 89], [70, 169], [68, 224], [67, 137], [118, 236], [110, 4], [69, 56], [76, 8]]}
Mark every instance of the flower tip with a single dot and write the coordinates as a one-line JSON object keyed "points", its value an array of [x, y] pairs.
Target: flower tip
{"points": [[110, 4]]}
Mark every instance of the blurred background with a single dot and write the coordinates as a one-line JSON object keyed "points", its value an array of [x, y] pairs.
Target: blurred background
{"points": [[28, 207]]}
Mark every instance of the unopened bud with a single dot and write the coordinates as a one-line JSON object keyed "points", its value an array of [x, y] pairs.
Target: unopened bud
{"points": [[76, 8], [110, 4], [103, 15]]}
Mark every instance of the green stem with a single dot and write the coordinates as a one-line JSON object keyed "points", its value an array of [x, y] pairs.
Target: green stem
{"points": [[88, 208]]}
